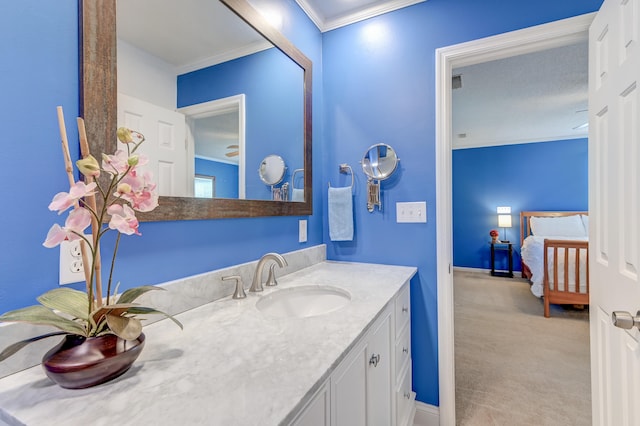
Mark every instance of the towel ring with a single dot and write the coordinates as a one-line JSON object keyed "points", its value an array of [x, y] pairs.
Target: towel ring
{"points": [[344, 169]]}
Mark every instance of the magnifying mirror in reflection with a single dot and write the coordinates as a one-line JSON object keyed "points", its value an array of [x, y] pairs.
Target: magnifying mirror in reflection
{"points": [[271, 171], [379, 162]]}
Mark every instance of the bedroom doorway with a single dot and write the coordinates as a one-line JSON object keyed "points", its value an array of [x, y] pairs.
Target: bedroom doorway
{"points": [[528, 40]]}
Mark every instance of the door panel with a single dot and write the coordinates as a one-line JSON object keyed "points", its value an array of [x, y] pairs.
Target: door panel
{"points": [[164, 145], [614, 185]]}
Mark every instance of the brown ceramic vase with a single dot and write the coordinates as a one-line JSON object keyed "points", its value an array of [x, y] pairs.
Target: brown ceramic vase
{"points": [[79, 362]]}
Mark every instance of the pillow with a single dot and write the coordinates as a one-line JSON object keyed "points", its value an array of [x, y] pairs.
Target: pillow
{"points": [[585, 222], [561, 226]]}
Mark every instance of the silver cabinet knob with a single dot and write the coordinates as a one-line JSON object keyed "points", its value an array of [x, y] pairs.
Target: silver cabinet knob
{"points": [[625, 320], [374, 360]]}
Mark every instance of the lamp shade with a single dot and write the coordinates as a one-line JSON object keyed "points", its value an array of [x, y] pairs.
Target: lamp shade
{"points": [[504, 220]]}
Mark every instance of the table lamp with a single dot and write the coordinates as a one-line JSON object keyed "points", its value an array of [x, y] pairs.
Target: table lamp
{"points": [[504, 220]]}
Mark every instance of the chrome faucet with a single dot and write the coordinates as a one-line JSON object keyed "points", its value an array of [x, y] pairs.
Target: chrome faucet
{"points": [[256, 284]]}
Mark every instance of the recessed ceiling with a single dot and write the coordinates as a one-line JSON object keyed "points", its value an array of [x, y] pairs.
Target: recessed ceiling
{"points": [[536, 97], [332, 14]]}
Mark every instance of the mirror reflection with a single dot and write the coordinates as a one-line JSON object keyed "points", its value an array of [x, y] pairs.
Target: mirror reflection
{"points": [[272, 169], [216, 102], [379, 162]]}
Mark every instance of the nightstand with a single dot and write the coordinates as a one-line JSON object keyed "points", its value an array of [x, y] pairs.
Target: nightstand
{"points": [[501, 246]]}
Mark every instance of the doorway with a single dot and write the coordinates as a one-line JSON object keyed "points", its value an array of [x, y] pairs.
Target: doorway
{"points": [[528, 40], [216, 135]]}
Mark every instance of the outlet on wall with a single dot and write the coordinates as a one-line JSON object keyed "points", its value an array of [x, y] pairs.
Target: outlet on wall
{"points": [[71, 266]]}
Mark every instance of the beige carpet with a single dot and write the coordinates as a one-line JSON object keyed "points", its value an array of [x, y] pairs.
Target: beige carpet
{"points": [[513, 366]]}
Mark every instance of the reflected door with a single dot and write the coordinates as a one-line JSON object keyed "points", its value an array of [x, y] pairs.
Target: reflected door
{"points": [[164, 131]]}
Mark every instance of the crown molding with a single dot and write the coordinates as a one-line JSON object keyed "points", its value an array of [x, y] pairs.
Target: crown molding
{"points": [[325, 25]]}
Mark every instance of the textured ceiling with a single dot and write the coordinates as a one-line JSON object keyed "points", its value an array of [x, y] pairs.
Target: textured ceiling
{"points": [[536, 97]]}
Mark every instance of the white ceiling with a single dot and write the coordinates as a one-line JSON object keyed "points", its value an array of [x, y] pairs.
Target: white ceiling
{"points": [[536, 97], [331, 14]]}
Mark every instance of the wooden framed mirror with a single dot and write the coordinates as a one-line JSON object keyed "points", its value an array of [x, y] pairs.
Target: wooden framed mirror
{"points": [[98, 104]]}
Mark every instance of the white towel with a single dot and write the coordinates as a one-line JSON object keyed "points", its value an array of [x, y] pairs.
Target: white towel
{"points": [[297, 194], [340, 214]]}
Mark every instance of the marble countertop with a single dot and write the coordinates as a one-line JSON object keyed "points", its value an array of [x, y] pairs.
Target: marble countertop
{"points": [[231, 365]]}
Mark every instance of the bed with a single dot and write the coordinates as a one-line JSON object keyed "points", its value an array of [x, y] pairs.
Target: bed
{"points": [[562, 275]]}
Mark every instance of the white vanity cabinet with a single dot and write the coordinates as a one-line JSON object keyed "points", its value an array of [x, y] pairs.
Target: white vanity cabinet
{"points": [[318, 411], [405, 407], [372, 384], [361, 391]]}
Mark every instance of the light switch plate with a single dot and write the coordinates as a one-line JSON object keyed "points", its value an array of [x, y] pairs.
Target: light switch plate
{"points": [[411, 212]]}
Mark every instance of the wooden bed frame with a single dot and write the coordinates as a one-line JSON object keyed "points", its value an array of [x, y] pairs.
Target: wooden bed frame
{"points": [[555, 296]]}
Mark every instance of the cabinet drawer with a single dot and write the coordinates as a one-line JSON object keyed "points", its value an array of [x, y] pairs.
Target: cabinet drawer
{"points": [[403, 352], [405, 400], [403, 309]]}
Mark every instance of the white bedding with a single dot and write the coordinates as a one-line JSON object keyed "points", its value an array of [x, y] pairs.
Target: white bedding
{"points": [[532, 254]]}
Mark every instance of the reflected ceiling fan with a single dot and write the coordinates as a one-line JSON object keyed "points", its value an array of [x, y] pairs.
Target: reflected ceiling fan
{"points": [[234, 151]]}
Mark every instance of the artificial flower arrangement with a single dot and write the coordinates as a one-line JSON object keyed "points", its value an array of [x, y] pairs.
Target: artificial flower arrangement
{"points": [[125, 190], [494, 234]]}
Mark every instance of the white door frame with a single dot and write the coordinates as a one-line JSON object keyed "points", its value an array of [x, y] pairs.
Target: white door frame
{"points": [[541, 37], [217, 107]]}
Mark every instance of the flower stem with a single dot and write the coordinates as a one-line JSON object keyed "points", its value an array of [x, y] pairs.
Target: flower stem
{"points": [[113, 263]]}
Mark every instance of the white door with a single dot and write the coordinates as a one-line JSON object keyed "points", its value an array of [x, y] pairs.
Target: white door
{"points": [[164, 132], [614, 204]]}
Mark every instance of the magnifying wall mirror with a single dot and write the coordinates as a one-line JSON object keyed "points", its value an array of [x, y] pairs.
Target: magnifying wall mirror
{"points": [[99, 72], [272, 169], [379, 163]]}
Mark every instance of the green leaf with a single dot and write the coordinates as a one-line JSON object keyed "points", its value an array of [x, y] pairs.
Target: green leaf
{"points": [[12, 349], [133, 293], [124, 327], [67, 300], [141, 310], [42, 316]]}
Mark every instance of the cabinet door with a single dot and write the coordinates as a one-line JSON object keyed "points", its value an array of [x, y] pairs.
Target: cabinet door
{"points": [[379, 386], [348, 390], [317, 412]]}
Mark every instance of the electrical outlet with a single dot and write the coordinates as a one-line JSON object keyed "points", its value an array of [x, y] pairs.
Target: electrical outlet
{"points": [[71, 266]]}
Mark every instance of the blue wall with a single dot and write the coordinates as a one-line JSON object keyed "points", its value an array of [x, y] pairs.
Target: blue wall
{"points": [[40, 71], [273, 89], [534, 176], [226, 175], [372, 91], [379, 86]]}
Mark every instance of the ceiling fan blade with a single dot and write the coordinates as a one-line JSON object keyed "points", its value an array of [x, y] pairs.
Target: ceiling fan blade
{"points": [[232, 146], [232, 154]]}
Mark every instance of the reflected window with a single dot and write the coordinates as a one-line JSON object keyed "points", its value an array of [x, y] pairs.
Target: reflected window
{"points": [[204, 186]]}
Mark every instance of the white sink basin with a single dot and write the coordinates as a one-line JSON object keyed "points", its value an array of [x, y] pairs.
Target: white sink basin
{"points": [[303, 301]]}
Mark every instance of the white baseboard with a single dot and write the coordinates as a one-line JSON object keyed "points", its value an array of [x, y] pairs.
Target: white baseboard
{"points": [[426, 415], [467, 269]]}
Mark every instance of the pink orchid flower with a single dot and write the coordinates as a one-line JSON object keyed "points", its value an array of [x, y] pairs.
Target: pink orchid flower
{"points": [[123, 219], [63, 200], [77, 221], [140, 191], [116, 163], [119, 162]]}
